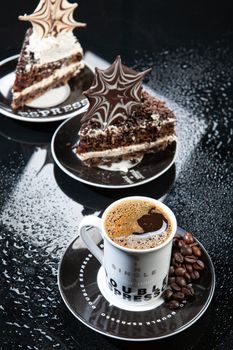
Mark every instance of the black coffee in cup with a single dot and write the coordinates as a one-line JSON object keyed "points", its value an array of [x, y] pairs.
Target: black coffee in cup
{"points": [[138, 224]]}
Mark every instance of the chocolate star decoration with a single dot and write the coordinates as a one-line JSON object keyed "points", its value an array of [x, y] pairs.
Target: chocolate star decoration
{"points": [[52, 17], [114, 94]]}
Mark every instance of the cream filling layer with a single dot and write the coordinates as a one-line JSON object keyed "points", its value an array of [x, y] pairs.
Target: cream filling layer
{"points": [[59, 73], [114, 152]]}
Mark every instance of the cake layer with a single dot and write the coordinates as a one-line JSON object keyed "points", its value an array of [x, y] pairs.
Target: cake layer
{"points": [[126, 136], [132, 156], [60, 76], [118, 151], [151, 121], [37, 74]]}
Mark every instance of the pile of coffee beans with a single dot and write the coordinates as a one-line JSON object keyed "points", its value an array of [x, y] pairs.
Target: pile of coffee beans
{"points": [[186, 267]]}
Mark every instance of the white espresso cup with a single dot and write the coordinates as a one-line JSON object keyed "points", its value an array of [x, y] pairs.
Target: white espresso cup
{"points": [[132, 279]]}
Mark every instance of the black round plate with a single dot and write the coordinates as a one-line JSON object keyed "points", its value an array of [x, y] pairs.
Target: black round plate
{"points": [[75, 104], [77, 283], [151, 167]]}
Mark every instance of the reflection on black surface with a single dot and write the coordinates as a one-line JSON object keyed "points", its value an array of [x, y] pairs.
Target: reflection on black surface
{"points": [[27, 133], [99, 198], [30, 136]]}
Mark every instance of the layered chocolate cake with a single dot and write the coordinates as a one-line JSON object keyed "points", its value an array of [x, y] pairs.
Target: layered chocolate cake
{"points": [[123, 120], [51, 55]]}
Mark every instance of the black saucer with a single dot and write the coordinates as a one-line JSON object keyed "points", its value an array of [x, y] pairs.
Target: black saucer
{"points": [[75, 104], [151, 167], [78, 287]]}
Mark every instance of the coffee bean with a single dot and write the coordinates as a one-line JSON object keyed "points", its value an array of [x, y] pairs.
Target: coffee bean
{"points": [[173, 304], [188, 238], [175, 250], [180, 271], [179, 257], [195, 275], [190, 259], [181, 243], [189, 267], [176, 242], [196, 251], [189, 286], [175, 287], [187, 291], [173, 262], [193, 244], [171, 271], [199, 265], [186, 250], [187, 277], [180, 281], [179, 296], [167, 294], [171, 280]]}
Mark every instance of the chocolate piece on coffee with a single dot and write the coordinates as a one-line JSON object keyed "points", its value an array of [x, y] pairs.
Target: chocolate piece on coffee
{"points": [[152, 221]]}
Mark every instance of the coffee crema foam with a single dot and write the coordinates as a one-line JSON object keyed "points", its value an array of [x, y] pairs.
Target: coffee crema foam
{"points": [[138, 224]]}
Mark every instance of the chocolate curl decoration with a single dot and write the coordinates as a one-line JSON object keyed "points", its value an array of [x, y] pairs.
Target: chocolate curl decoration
{"points": [[115, 93], [52, 17]]}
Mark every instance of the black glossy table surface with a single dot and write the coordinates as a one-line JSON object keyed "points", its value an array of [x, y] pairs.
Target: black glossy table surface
{"points": [[190, 49]]}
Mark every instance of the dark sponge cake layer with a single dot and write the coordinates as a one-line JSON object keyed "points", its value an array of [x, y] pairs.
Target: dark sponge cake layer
{"points": [[152, 120], [23, 99]]}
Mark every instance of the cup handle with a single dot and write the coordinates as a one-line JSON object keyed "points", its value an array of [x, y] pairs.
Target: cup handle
{"points": [[91, 220]]}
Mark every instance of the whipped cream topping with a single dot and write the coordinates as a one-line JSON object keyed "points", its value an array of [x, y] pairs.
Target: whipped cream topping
{"points": [[53, 48]]}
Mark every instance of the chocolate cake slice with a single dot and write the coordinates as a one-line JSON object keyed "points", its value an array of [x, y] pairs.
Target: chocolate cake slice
{"points": [[51, 55], [123, 121]]}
